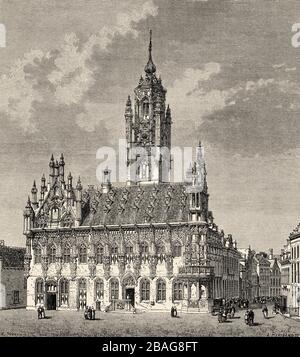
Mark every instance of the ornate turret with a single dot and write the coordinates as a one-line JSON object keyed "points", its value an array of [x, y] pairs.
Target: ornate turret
{"points": [[43, 189], [70, 189], [61, 170], [197, 189], [56, 167], [128, 121], [34, 199], [78, 202], [28, 217], [51, 170]]}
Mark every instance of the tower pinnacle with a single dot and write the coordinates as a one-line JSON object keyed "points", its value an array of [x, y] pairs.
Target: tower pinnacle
{"points": [[150, 67]]}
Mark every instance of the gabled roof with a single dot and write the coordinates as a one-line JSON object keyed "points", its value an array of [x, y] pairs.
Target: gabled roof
{"points": [[136, 204], [12, 257]]}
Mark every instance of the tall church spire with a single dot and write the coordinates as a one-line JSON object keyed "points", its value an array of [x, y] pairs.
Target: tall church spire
{"points": [[150, 67]]}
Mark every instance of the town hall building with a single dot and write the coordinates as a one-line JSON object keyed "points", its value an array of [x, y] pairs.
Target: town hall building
{"points": [[148, 244]]}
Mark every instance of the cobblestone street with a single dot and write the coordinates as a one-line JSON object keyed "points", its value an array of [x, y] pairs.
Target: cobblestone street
{"points": [[71, 323]]}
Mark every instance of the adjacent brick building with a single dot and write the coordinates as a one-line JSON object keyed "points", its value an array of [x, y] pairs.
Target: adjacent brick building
{"points": [[12, 282]]}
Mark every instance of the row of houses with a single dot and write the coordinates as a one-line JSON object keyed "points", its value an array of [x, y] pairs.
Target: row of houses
{"points": [[260, 274], [290, 273]]}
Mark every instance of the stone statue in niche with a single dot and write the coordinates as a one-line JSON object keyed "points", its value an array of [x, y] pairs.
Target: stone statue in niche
{"points": [[203, 292], [193, 292]]}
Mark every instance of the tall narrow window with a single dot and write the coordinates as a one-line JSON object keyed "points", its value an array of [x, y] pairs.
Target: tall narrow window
{"points": [[129, 249], [16, 296], [99, 289], [145, 289], [82, 294], [99, 255], [144, 248], [146, 108], [160, 249], [114, 250], [67, 254], [177, 249], [64, 292], [39, 290], [52, 256], [178, 291], [37, 255], [82, 255], [114, 289], [161, 290]]}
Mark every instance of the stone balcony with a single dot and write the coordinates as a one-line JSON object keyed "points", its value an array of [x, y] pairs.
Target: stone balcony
{"points": [[197, 271]]}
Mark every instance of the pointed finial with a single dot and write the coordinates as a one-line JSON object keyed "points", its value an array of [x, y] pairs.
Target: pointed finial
{"points": [[150, 42], [150, 66], [34, 185], [199, 145], [61, 160], [51, 163], [79, 186], [70, 176], [28, 205]]}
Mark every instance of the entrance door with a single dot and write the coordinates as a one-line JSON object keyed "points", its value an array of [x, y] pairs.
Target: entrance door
{"points": [[51, 301], [130, 295]]}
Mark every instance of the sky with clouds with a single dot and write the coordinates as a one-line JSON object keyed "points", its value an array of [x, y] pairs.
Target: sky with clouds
{"points": [[233, 81]]}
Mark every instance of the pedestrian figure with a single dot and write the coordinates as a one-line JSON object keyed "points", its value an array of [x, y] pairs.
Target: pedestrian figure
{"points": [[175, 311], [172, 311], [251, 317], [39, 311], [265, 311], [86, 313], [93, 313]]}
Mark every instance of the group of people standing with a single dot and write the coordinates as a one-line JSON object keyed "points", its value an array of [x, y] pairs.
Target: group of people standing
{"points": [[90, 313]]}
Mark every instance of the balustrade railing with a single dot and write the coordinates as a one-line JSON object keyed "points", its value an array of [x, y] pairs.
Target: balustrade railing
{"points": [[196, 270]]}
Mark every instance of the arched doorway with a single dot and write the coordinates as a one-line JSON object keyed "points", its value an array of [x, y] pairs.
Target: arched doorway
{"points": [[128, 284], [51, 295]]}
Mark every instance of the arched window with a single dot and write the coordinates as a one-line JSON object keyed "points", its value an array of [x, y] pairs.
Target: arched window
{"points": [[55, 214], [99, 254], [146, 108], [114, 249], [177, 249], [83, 254], [177, 291], [67, 254], [160, 249], [64, 292], [160, 290], [82, 294], [145, 289], [37, 255], [114, 289], [99, 289], [144, 248], [129, 249], [39, 292], [52, 255]]}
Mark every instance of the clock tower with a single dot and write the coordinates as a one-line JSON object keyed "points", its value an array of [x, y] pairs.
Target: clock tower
{"points": [[148, 129]]}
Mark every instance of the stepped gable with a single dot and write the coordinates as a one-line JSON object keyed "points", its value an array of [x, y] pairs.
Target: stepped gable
{"points": [[136, 204]]}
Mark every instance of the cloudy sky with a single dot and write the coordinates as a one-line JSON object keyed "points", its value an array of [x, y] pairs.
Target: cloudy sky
{"points": [[233, 81]]}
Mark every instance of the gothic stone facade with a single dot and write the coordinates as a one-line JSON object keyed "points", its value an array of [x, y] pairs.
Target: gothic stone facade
{"points": [[150, 243]]}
